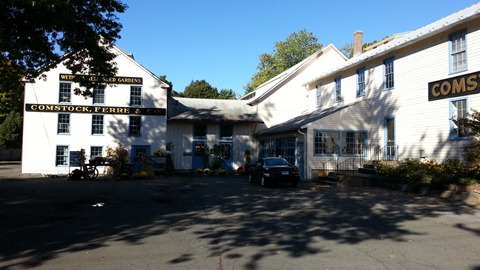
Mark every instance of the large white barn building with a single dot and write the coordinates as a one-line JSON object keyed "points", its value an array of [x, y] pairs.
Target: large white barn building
{"points": [[396, 99]]}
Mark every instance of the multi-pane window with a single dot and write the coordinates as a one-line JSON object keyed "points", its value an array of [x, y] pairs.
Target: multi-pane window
{"points": [[319, 96], [226, 151], [458, 52], [267, 148], [338, 89], [326, 142], [61, 158], [285, 147], [97, 124], [361, 82], [389, 74], [99, 94], [65, 93], [226, 132], [63, 123], [458, 113], [96, 151], [330, 142], [200, 132], [353, 142], [135, 95], [135, 125]]}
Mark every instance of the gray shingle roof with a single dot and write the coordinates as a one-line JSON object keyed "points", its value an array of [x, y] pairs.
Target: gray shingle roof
{"points": [[215, 110]]}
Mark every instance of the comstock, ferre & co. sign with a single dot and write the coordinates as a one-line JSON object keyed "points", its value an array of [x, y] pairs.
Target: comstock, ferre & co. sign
{"points": [[93, 109], [463, 85]]}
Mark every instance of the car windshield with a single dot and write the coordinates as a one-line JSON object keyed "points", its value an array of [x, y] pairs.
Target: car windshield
{"points": [[274, 162]]}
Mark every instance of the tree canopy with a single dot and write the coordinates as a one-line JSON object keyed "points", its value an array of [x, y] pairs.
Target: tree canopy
{"points": [[11, 131], [298, 46], [37, 35], [202, 89]]}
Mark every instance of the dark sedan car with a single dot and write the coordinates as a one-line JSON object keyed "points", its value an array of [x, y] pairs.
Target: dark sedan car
{"points": [[271, 170]]}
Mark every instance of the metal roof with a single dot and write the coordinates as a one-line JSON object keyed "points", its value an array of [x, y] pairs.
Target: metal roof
{"points": [[301, 121], [422, 33]]}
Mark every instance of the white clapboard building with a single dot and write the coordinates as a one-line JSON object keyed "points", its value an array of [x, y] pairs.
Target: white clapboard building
{"points": [[396, 99], [129, 110]]}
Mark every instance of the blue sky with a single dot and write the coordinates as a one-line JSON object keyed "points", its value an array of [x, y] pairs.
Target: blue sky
{"points": [[220, 41]]}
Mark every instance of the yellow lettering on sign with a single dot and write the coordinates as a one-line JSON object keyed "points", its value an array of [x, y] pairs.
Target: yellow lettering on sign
{"points": [[435, 92], [445, 88], [67, 77], [459, 86], [472, 83]]}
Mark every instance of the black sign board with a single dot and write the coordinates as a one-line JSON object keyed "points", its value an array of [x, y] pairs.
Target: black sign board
{"points": [[108, 80], [59, 108], [463, 85]]}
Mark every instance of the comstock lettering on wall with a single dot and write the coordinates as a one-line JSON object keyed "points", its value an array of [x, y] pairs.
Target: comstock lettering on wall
{"points": [[111, 80], [463, 85], [93, 109]]}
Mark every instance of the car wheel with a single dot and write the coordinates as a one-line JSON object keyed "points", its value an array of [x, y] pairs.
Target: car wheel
{"points": [[250, 178], [294, 183], [263, 182]]}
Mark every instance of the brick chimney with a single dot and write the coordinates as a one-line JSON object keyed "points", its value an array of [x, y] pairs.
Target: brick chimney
{"points": [[357, 42]]}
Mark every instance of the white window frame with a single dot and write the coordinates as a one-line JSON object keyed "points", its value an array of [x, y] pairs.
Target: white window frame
{"points": [[65, 93], [361, 82], [337, 90], [61, 156], [63, 123], [458, 51], [454, 115], [96, 125]]}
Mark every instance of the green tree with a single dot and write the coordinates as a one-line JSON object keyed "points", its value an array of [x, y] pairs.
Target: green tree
{"points": [[347, 50], [298, 46], [11, 131], [11, 91], [200, 89], [227, 94], [37, 35]]}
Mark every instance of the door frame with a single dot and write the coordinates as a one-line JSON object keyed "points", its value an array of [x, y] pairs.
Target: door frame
{"points": [[390, 149]]}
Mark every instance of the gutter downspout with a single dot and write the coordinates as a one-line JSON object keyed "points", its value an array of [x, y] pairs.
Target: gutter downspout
{"points": [[305, 152]]}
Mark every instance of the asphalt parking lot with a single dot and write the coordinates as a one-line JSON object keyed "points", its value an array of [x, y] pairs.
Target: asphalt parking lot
{"points": [[201, 222]]}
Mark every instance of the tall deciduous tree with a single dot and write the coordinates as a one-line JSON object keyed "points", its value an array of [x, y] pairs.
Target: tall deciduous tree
{"points": [[11, 91], [11, 131], [295, 48], [36, 35], [227, 94], [202, 89]]}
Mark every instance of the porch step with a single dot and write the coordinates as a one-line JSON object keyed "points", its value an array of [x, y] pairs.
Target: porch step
{"points": [[368, 168], [364, 170], [332, 179]]}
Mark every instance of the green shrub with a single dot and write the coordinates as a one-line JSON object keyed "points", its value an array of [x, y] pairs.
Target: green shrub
{"points": [[468, 181], [417, 172]]}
